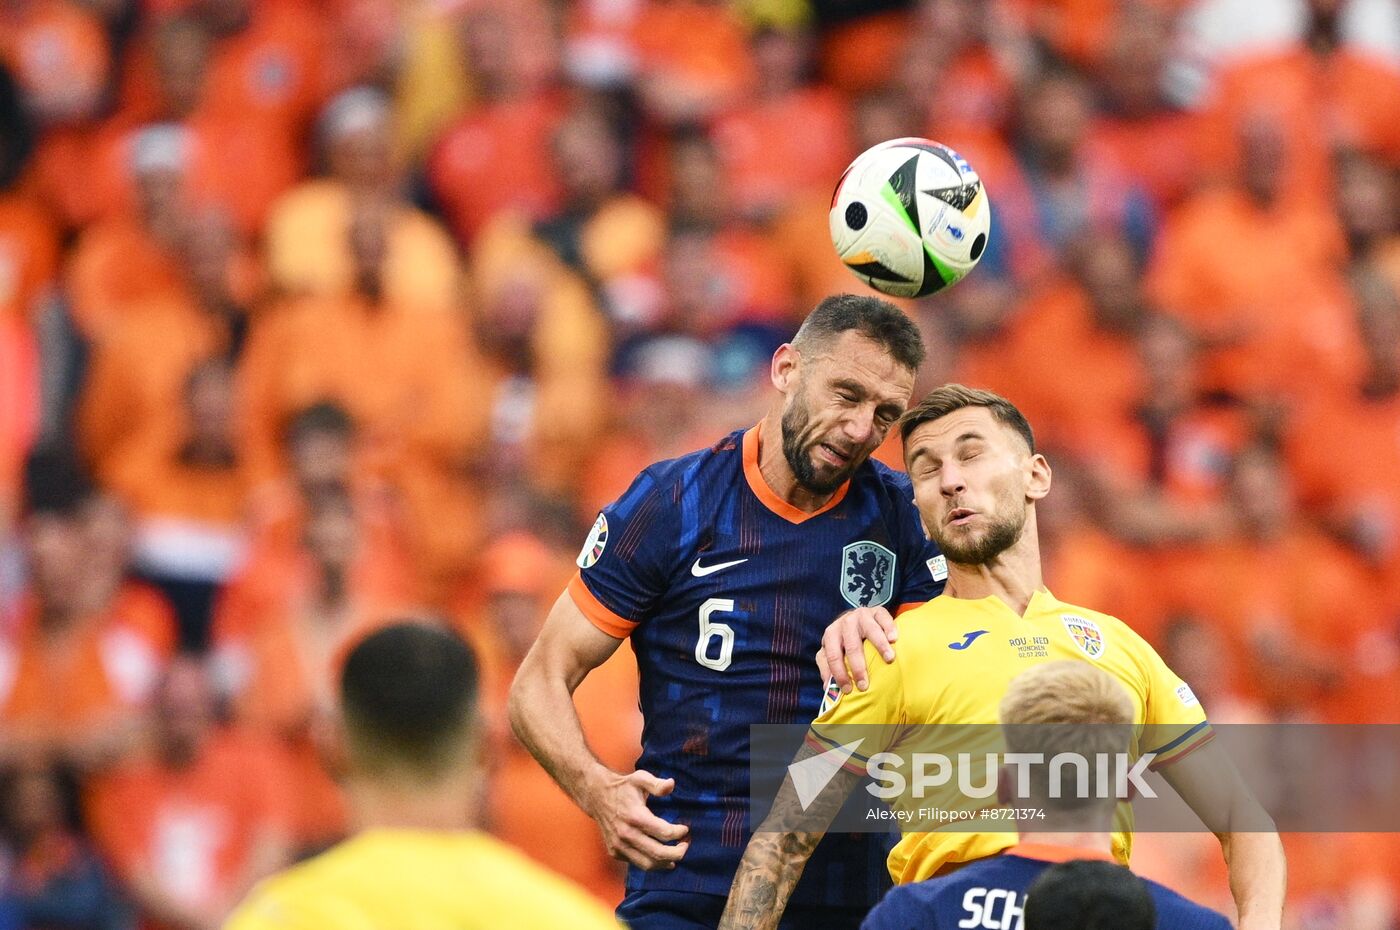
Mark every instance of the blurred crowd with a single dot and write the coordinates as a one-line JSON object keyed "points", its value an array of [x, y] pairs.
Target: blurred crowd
{"points": [[319, 312]]}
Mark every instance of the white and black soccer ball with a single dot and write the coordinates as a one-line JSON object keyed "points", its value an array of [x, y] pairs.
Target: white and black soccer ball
{"points": [[910, 217]]}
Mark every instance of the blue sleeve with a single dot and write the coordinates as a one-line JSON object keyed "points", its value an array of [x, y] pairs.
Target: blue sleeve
{"points": [[626, 560], [900, 909], [923, 571]]}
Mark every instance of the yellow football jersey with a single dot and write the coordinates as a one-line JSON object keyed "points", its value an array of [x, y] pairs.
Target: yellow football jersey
{"points": [[418, 880], [954, 660]]}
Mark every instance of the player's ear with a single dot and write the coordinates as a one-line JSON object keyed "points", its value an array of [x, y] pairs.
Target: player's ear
{"points": [[784, 367], [1037, 477], [1005, 779]]}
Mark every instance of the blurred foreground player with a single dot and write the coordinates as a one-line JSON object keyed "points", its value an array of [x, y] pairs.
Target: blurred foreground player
{"points": [[1084, 894], [408, 699], [722, 567], [1060, 707], [977, 478]]}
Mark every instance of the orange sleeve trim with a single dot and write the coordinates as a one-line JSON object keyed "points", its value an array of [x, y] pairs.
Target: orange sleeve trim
{"points": [[596, 612], [905, 608]]}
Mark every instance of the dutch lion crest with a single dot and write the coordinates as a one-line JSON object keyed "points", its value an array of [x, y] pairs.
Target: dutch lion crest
{"points": [[867, 574]]}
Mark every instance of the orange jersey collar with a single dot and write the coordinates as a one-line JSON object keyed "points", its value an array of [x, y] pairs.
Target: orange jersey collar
{"points": [[770, 498]]}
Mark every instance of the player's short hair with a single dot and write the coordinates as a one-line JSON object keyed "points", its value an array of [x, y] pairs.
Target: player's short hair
{"points": [[408, 694], [1066, 707], [877, 320], [1086, 894], [944, 400], [322, 417]]}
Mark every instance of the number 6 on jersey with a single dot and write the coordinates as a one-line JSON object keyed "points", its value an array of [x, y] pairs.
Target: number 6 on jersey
{"points": [[710, 630]]}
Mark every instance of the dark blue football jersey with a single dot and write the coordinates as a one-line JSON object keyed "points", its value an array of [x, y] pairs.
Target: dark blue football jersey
{"points": [[725, 589], [991, 893]]}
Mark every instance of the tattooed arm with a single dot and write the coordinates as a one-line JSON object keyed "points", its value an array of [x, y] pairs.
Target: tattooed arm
{"points": [[778, 851]]}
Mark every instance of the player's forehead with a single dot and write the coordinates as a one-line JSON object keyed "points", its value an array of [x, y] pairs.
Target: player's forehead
{"points": [[857, 359], [965, 425]]}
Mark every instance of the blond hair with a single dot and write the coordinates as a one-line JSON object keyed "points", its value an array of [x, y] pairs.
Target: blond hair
{"points": [[1067, 706]]}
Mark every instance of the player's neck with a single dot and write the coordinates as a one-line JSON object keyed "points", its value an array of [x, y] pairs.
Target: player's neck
{"points": [[1090, 841], [1013, 576], [395, 805]]}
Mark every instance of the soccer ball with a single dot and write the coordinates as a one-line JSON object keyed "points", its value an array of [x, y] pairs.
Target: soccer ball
{"points": [[910, 217]]}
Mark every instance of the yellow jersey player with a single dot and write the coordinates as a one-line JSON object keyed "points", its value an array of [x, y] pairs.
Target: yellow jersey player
{"points": [[977, 477], [408, 705]]}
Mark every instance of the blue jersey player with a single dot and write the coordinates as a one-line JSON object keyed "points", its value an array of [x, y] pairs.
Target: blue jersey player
{"points": [[724, 567]]}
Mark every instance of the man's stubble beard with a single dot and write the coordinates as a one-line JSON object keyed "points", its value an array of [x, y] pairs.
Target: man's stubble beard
{"points": [[1001, 534], [794, 425]]}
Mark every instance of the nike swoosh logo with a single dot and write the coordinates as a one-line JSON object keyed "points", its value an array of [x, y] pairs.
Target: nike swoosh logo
{"points": [[700, 571], [967, 640]]}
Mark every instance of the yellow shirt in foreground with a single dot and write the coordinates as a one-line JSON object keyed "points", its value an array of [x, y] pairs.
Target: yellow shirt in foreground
{"points": [[419, 880], [954, 660]]}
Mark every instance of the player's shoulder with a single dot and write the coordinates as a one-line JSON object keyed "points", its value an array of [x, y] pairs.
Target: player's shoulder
{"points": [[1175, 910], [1107, 622], [718, 462]]}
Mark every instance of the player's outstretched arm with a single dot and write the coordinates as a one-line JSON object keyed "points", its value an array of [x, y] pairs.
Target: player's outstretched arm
{"points": [[778, 851], [543, 716], [842, 655], [1209, 782]]}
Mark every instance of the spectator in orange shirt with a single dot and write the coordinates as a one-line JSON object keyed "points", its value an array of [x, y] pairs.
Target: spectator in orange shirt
{"points": [[280, 673], [156, 422], [600, 230], [1088, 323], [1074, 186], [1161, 467], [126, 260], [1326, 89], [1255, 314], [960, 61], [545, 346], [404, 372], [694, 61], [192, 823], [746, 280], [1356, 494], [323, 454], [241, 158], [496, 156], [307, 236], [132, 410], [1297, 633], [87, 648], [268, 62], [58, 52], [790, 136], [1146, 136]]}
